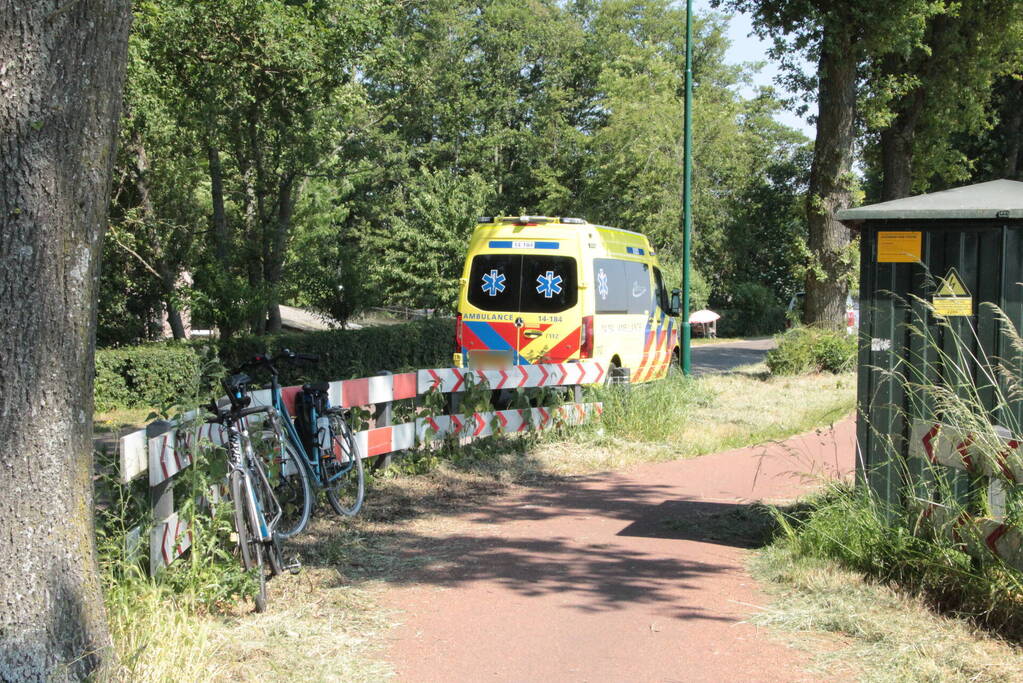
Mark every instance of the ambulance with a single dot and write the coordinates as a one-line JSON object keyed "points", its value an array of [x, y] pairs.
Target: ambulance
{"points": [[536, 289]]}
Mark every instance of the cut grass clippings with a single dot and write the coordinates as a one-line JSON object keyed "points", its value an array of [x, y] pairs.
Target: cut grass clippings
{"points": [[860, 630]]}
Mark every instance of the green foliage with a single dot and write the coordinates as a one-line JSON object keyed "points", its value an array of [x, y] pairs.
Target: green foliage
{"points": [[346, 354], [159, 375], [651, 412], [153, 375], [812, 349], [749, 309], [851, 526], [278, 154], [421, 258]]}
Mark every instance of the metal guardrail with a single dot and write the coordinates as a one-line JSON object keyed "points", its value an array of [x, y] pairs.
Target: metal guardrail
{"points": [[163, 449], [948, 446]]}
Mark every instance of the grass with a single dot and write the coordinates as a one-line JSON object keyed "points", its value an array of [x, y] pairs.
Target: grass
{"points": [[717, 412], [320, 628], [866, 631]]}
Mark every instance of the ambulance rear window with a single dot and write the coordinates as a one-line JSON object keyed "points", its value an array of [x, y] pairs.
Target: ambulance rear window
{"points": [[522, 283]]}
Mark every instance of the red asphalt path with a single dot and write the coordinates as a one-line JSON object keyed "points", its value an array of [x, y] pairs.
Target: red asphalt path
{"points": [[612, 577]]}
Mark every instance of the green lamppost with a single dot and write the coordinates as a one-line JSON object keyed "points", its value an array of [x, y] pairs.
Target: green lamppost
{"points": [[687, 189]]}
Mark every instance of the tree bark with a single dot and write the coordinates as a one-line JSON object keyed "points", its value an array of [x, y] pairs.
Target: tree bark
{"points": [[61, 74], [220, 235], [829, 186], [168, 274], [1013, 127], [897, 140], [286, 196]]}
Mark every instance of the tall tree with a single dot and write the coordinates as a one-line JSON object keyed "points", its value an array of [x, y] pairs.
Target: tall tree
{"points": [[273, 85], [61, 74], [839, 35], [925, 99]]}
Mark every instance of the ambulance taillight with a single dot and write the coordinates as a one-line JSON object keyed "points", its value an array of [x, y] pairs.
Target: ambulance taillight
{"points": [[458, 333], [586, 337]]}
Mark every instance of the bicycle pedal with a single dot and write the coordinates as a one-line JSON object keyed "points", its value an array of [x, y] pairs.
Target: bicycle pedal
{"points": [[295, 567]]}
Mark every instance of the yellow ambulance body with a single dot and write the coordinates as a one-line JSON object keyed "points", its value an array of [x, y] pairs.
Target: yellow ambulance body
{"points": [[552, 290]]}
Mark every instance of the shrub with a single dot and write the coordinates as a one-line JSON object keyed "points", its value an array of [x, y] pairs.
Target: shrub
{"points": [[156, 375], [151, 375], [353, 353], [749, 309], [812, 349], [111, 388]]}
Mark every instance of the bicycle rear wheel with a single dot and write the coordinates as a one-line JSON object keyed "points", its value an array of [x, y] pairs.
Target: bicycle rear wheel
{"points": [[288, 476], [342, 470]]}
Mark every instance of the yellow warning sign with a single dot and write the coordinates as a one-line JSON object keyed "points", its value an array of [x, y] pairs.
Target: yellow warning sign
{"points": [[952, 298], [899, 247]]}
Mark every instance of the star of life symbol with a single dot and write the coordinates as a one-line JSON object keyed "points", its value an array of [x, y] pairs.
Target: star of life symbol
{"points": [[549, 284], [602, 284], [493, 282]]}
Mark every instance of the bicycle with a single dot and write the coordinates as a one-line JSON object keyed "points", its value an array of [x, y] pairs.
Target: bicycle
{"points": [[326, 445], [331, 449], [282, 452], [257, 512]]}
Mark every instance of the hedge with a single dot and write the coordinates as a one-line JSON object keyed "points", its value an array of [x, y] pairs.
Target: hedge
{"points": [[345, 354], [155, 375], [146, 376]]}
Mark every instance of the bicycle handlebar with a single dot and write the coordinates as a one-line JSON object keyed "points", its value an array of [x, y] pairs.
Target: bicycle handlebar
{"points": [[222, 414]]}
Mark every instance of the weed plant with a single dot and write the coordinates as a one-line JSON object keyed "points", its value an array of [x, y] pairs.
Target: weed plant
{"points": [[156, 620], [921, 539], [651, 412], [812, 349]]}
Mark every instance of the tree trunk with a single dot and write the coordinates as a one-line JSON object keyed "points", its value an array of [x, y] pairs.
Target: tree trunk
{"points": [[278, 247], [61, 74], [167, 273], [1013, 127], [897, 142], [220, 236], [830, 175]]}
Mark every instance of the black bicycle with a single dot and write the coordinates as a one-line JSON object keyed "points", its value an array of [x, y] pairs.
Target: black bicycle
{"points": [[257, 511]]}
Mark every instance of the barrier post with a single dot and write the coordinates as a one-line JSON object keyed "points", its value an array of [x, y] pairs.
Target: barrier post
{"points": [[382, 416], [161, 496]]}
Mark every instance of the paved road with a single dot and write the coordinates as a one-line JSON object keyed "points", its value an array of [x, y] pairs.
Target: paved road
{"points": [[622, 576], [724, 357]]}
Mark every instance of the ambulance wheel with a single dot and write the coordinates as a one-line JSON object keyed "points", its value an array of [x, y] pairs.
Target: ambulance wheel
{"points": [[501, 399], [617, 375], [676, 362]]}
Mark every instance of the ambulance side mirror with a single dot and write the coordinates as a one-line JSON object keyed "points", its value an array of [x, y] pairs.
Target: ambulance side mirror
{"points": [[676, 302]]}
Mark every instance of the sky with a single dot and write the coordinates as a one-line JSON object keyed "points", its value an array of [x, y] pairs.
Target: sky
{"points": [[748, 48]]}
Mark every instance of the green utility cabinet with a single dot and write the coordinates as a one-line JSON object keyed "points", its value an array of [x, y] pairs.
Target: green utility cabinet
{"points": [[957, 249]]}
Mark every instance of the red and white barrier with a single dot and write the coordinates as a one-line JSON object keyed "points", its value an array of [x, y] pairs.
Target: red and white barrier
{"points": [[479, 425], [994, 455], [171, 451], [516, 377], [167, 541], [978, 536], [383, 440]]}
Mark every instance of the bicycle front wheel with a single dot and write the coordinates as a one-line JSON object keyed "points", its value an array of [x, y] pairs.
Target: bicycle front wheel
{"points": [[248, 538], [342, 471], [288, 477], [241, 519]]}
